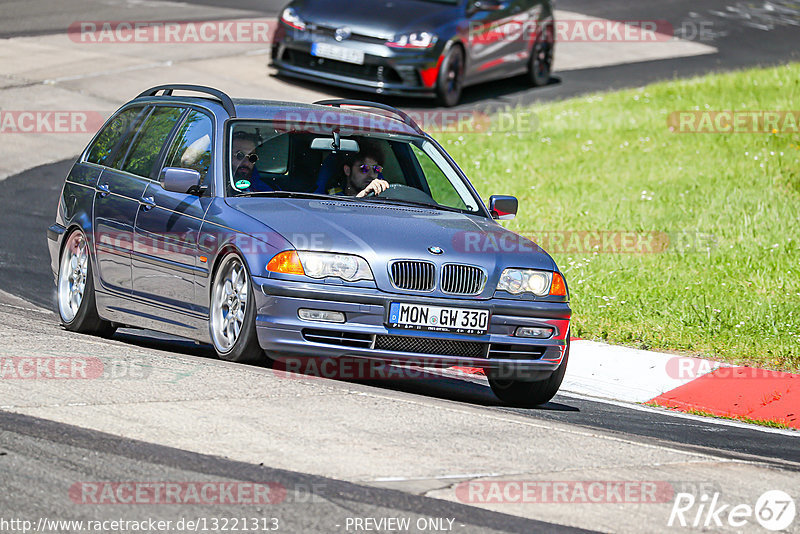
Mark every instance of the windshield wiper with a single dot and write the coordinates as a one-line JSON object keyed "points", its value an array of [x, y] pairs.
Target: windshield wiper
{"points": [[289, 194], [412, 203]]}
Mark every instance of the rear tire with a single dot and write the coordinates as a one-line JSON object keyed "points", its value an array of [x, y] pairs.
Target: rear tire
{"points": [[232, 313], [451, 78], [77, 306], [529, 394]]}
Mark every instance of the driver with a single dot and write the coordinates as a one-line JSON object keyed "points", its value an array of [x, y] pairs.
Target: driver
{"points": [[363, 173]]}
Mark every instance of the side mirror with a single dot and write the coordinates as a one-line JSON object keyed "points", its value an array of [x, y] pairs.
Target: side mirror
{"points": [[180, 180], [503, 207]]}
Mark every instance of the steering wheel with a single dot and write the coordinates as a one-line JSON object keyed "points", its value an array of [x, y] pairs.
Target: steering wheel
{"points": [[404, 192]]}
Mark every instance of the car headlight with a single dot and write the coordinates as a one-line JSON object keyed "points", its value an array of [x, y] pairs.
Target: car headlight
{"points": [[290, 17], [413, 40], [321, 265], [540, 283]]}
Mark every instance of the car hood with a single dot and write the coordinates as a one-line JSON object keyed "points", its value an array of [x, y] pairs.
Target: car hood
{"points": [[378, 18], [381, 233]]}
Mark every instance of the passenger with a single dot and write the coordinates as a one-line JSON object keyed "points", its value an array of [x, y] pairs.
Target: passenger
{"points": [[246, 177], [243, 157]]}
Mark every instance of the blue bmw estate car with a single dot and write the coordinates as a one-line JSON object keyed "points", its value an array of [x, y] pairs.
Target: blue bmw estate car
{"points": [[280, 230]]}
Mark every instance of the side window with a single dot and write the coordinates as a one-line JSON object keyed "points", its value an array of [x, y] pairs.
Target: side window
{"points": [[112, 134], [144, 151], [192, 146], [273, 155], [446, 187]]}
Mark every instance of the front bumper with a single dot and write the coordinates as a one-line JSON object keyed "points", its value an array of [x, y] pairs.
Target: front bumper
{"points": [[385, 70], [365, 334]]}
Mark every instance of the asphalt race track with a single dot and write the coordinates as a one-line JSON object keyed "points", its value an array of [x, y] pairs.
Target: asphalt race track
{"points": [[367, 449], [116, 458]]}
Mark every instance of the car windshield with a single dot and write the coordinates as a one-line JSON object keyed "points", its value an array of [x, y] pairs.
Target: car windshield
{"points": [[265, 161]]}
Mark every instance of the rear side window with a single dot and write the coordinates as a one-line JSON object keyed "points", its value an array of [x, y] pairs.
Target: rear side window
{"points": [[144, 151], [111, 136], [192, 146]]}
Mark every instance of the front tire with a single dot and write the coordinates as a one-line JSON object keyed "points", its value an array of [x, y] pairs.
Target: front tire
{"points": [[529, 394], [451, 78], [540, 65], [232, 313], [75, 289]]}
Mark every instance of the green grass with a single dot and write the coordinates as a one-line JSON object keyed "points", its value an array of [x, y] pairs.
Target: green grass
{"points": [[727, 286]]}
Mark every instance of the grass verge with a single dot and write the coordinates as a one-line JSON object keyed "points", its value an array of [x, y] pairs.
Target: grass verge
{"points": [[725, 209]]}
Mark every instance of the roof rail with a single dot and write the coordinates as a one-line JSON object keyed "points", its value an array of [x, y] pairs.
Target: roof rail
{"points": [[226, 101], [405, 118]]}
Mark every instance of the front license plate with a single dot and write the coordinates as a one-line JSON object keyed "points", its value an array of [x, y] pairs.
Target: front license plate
{"points": [[438, 319], [340, 53]]}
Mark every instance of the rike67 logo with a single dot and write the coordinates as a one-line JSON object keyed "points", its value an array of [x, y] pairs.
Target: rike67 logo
{"points": [[774, 510]]}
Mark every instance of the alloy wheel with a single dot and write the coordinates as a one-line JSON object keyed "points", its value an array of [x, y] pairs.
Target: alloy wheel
{"points": [[73, 277], [229, 304]]}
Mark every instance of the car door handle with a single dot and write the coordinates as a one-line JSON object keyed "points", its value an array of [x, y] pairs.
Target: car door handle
{"points": [[147, 203], [103, 190]]}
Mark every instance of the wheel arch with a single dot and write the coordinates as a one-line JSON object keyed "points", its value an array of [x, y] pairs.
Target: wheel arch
{"points": [[226, 250], [456, 41], [84, 225]]}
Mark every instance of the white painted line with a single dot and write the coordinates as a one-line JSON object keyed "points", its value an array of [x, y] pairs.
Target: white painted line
{"points": [[18, 303], [146, 66], [562, 427], [441, 477], [34, 310]]}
